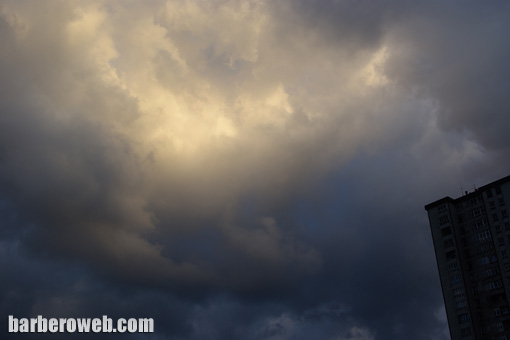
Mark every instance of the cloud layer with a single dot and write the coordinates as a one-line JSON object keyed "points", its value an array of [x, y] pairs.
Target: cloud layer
{"points": [[242, 169]]}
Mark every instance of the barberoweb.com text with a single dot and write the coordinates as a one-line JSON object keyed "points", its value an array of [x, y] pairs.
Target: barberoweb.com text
{"points": [[80, 325]]}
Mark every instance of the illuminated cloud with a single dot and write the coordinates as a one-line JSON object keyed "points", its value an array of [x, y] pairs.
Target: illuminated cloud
{"points": [[265, 150]]}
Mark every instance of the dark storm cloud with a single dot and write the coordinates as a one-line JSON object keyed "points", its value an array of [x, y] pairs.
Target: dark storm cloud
{"points": [[454, 53], [242, 169], [457, 55]]}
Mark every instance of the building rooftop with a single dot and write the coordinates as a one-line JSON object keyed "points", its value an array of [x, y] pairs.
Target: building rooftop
{"points": [[468, 195]]}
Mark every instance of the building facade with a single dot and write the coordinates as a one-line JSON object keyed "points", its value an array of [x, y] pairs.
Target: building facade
{"points": [[471, 237]]}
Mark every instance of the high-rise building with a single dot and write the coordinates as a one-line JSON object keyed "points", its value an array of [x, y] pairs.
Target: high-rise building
{"points": [[471, 237]]}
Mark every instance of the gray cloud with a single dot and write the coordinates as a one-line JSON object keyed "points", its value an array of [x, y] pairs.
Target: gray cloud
{"points": [[242, 169]]}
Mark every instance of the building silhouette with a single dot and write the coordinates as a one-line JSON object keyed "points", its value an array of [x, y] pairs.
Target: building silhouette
{"points": [[471, 237]]}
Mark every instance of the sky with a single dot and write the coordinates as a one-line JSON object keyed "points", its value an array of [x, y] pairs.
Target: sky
{"points": [[242, 169]]}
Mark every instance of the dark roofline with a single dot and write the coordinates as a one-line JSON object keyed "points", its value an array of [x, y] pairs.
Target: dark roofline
{"points": [[438, 202], [469, 195]]}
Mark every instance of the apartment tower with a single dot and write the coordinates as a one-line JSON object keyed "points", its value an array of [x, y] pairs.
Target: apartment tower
{"points": [[471, 237]]}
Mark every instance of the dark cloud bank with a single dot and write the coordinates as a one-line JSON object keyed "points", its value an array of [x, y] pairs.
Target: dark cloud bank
{"points": [[242, 170]]}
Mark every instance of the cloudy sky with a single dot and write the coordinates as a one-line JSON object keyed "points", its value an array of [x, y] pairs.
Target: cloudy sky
{"points": [[242, 169]]}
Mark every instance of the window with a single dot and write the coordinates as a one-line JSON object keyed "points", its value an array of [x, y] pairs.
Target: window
{"points": [[493, 285], [484, 260], [500, 327], [498, 228], [451, 255], [507, 225], [484, 235], [487, 259], [461, 304], [477, 211], [455, 279], [444, 219], [463, 318], [448, 243], [504, 214], [458, 292], [497, 312], [476, 200], [501, 201], [453, 266], [441, 207], [482, 223], [446, 231], [495, 217], [466, 331], [489, 193], [501, 241], [503, 253], [490, 272], [492, 205], [498, 190]]}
